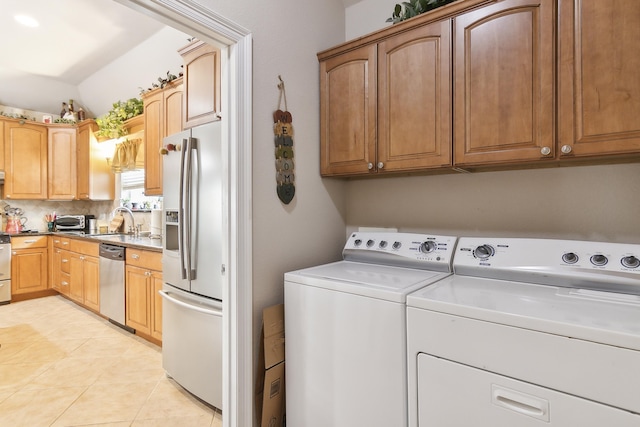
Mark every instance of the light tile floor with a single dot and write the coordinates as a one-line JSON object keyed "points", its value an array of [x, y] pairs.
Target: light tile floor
{"points": [[61, 365]]}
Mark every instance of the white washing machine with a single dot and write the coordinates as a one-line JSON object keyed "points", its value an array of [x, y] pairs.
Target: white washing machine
{"points": [[528, 332], [345, 327]]}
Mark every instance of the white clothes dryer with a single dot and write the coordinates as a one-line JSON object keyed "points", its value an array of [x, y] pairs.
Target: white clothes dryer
{"points": [[528, 332], [345, 329]]}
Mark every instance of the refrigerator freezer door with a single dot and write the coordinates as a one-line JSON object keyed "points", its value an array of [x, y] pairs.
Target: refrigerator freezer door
{"points": [[192, 343]]}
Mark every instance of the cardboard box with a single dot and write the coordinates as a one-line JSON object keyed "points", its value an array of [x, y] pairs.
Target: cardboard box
{"points": [[270, 390]]}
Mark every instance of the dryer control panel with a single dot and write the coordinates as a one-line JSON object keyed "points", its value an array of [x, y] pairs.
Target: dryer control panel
{"points": [[413, 250], [570, 263]]}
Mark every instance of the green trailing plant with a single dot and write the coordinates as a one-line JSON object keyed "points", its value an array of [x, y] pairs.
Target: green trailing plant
{"points": [[111, 125], [412, 8]]}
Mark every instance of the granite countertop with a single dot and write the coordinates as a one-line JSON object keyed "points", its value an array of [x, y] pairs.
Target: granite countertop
{"points": [[126, 240]]}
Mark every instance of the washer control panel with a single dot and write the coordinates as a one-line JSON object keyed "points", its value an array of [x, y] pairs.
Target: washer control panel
{"points": [[549, 261], [413, 250]]}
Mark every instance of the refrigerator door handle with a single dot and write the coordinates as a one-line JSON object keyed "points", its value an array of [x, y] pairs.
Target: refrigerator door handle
{"points": [[188, 220], [212, 312], [182, 218]]}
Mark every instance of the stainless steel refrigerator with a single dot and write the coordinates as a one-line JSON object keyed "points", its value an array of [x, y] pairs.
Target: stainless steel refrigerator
{"points": [[192, 261]]}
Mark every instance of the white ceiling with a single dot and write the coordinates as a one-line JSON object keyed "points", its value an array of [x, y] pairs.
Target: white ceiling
{"points": [[74, 39]]}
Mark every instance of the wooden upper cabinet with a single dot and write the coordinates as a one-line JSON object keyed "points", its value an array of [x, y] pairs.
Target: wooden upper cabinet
{"points": [[62, 184], [201, 83], [95, 179], [348, 112], [2, 166], [599, 86], [25, 160], [414, 99], [504, 83], [386, 107], [163, 112]]}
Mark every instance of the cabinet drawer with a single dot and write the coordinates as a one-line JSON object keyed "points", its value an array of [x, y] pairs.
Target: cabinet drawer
{"points": [[60, 242], [65, 261], [144, 259], [84, 247], [26, 242]]}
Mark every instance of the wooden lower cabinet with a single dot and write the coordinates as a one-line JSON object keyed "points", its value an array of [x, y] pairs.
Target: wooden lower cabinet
{"points": [[143, 280], [29, 262], [84, 281], [75, 271]]}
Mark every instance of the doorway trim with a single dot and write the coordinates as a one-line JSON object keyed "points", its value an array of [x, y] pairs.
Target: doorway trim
{"points": [[199, 21]]}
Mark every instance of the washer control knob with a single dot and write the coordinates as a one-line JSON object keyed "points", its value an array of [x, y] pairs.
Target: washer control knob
{"points": [[370, 243], [599, 260], [566, 149], [483, 251], [357, 242], [631, 261], [570, 258], [428, 246], [383, 244], [397, 245], [545, 151]]}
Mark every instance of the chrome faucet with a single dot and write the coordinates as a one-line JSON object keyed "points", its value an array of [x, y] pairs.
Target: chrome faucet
{"points": [[132, 227]]}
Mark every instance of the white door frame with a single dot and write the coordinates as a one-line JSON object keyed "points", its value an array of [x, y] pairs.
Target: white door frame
{"points": [[199, 21]]}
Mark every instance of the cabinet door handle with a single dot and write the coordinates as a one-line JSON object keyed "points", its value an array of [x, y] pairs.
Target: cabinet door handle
{"points": [[29, 241], [135, 256], [369, 165], [380, 165], [545, 151], [14, 253], [64, 283], [65, 243], [64, 260], [566, 149], [81, 258]]}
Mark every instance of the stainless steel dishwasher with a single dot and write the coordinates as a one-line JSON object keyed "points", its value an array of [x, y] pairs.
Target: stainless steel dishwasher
{"points": [[112, 293]]}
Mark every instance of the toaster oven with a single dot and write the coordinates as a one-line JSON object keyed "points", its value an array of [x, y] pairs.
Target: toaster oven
{"points": [[73, 222]]}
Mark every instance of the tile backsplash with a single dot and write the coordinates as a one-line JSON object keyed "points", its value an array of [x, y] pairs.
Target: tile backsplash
{"points": [[35, 210]]}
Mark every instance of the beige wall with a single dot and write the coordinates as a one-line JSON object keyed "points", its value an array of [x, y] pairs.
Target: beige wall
{"points": [[597, 203], [589, 202], [286, 35]]}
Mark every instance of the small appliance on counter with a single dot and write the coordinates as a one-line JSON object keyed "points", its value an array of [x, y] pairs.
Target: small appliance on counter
{"points": [[74, 222]]}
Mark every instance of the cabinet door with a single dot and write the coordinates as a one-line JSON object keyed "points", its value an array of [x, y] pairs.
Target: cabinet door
{"points": [[29, 270], [76, 274], [414, 99], [62, 183], [598, 83], [153, 134], [201, 83], [156, 305], [504, 83], [137, 304], [25, 161], [95, 179], [348, 113], [91, 283], [2, 165]]}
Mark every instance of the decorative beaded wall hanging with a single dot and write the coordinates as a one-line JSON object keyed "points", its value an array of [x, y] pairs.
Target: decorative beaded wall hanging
{"points": [[283, 131]]}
